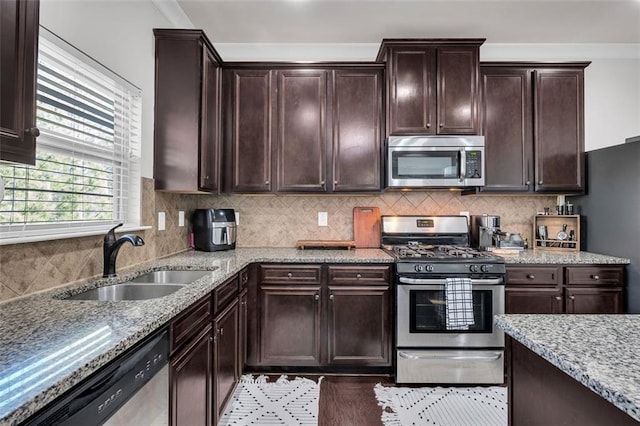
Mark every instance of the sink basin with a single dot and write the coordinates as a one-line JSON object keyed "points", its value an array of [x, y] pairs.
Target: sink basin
{"points": [[151, 285], [170, 277], [128, 291]]}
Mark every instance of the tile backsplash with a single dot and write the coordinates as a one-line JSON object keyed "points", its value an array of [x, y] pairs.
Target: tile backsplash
{"points": [[265, 221], [280, 221]]}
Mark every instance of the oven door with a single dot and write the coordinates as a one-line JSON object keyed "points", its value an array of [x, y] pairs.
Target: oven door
{"points": [[421, 315]]}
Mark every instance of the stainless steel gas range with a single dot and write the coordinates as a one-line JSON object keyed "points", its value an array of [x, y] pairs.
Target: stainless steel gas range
{"points": [[440, 279]]}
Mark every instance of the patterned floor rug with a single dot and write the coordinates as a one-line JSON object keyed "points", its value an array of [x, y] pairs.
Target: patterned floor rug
{"points": [[438, 406], [283, 402]]}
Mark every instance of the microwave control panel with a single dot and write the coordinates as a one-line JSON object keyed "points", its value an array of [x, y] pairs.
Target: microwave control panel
{"points": [[473, 164]]}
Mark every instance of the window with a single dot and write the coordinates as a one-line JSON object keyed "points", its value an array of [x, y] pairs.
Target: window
{"points": [[87, 172]]}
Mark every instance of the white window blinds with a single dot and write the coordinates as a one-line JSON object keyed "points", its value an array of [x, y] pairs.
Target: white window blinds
{"points": [[87, 170]]}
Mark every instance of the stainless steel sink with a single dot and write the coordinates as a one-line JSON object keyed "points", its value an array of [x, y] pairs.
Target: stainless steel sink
{"points": [[128, 291], [170, 277], [151, 285]]}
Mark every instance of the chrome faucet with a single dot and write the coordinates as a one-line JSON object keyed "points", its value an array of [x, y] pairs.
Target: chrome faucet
{"points": [[112, 246]]}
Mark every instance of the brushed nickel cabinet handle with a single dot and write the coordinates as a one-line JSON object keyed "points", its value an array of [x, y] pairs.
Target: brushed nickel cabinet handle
{"points": [[539, 182], [528, 183], [316, 296], [289, 275], [266, 182], [558, 298], [358, 276], [595, 277], [572, 297], [335, 182], [222, 331], [331, 297], [428, 125], [441, 124], [531, 276]]}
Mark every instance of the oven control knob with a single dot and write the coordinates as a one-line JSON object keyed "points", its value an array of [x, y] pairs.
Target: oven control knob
{"points": [[473, 268], [428, 268], [484, 268], [418, 268]]}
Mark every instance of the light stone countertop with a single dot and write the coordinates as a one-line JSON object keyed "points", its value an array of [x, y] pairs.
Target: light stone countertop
{"points": [[543, 257], [41, 326], [599, 351], [48, 345]]}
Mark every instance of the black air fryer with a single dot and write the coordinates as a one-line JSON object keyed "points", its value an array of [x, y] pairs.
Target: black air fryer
{"points": [[214, 229]]}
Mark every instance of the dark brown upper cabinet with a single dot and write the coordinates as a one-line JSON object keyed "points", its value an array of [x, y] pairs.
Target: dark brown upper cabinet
{"points": [[296, 129], [432, 86], [249, 103], [19, 48], [187, 112], [533, 123]]}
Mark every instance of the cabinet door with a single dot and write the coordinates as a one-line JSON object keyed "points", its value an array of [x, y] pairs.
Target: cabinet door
{"points": [[19, 49], [412, 97], [594, 300], [533, 300], [210, 123], [251, 126], [243, 332], [225, 356], [190, 378], [359, 326], [357, 130], [302, 134], [559, 130], [290, 325], [506, 126], [457, 90]]}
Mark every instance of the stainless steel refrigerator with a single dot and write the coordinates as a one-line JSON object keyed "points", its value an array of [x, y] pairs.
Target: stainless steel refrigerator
{"points": [[611, 209]]}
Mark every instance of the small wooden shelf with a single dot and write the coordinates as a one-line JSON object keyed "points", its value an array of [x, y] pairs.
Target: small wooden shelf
{"points": [[554, 224]]}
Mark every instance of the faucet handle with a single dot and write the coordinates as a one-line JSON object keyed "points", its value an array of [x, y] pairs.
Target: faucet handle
{"points": [[111, 235]]}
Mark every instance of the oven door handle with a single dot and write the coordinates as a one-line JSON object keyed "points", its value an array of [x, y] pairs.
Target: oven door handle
{"points": [[451, 357], [406, 280]]}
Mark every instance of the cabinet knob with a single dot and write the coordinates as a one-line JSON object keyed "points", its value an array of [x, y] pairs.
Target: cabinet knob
{"points": [[335, 182], [531, 276], [528, 182], [316, 296], [322, 182], [539, 182], [331, 297], [222, 331], [266, 182], [558, 298], [211, 339], [595, 277], [572, 297], [441, 124], [428, 125], [358, 276], [289, 275], [34, 131]]}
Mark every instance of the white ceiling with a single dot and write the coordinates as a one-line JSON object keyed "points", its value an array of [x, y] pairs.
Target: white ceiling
{"points": [[369, 21]]}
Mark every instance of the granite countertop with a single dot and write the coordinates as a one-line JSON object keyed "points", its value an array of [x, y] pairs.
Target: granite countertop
{"points": [[599, 351], [48, 345], [543, 257]]}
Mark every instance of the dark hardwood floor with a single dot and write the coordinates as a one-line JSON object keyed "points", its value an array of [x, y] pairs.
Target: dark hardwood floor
{"points": [[350, 401]]}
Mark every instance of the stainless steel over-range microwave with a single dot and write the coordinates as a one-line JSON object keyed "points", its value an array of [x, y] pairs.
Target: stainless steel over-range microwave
{"points": [[435, 161]]}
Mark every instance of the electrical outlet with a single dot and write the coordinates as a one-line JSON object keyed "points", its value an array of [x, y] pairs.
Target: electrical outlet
{"points": [[161, 221], [180, 218], [237, 218], [323, 219]]}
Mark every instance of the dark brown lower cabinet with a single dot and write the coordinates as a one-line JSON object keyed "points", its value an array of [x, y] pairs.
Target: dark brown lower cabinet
{"points": [[190, 381], [556, 289], [331, 316], [290, 325], [359, 325], [225, 356], [542, 394]]}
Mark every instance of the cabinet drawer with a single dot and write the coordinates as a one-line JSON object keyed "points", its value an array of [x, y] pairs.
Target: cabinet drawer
{"points": [[359, 274], [525, 275], [244, 278], [604, 275], [225, 293], [286, 274], [189, 323]]}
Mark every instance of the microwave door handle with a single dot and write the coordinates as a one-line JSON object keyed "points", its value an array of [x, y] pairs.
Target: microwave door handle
{"points": [[463, 165]]}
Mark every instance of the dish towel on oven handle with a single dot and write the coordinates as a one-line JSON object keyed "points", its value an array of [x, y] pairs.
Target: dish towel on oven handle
{"points": [[459, 298]]}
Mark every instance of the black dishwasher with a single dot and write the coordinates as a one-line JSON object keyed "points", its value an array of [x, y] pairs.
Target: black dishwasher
{"points": [[102, 397]]}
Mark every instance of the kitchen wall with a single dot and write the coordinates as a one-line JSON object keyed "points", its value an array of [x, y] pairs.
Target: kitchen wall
{"points": [[31, 267], [280, 221]]}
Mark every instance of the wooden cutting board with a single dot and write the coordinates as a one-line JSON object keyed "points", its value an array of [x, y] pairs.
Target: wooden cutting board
{"points": [[366, 227], [325, 244]]}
